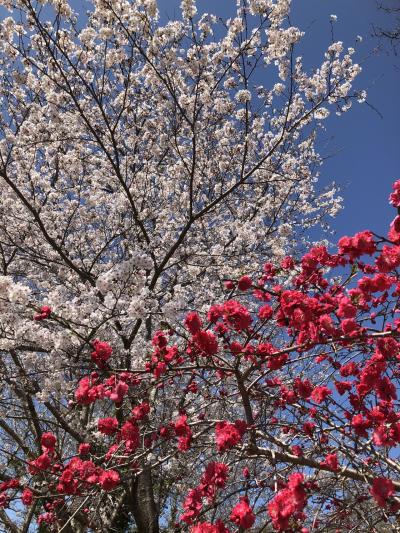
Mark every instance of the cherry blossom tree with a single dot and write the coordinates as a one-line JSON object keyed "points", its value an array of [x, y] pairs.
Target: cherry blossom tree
{"points": [[142, 166]]}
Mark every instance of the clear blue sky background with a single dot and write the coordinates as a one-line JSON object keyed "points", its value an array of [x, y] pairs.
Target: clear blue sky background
{"points": [[362, 148]]}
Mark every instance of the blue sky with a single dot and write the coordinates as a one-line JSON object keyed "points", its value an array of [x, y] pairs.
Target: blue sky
{"points": [[362, 147]]}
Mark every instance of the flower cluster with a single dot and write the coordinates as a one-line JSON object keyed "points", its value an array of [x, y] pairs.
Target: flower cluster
{"points": [[101, 352], [228, 435], [45, 312], [213, 478], [288, 503]]}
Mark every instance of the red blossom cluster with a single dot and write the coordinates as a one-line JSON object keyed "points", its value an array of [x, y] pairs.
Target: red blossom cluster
{"points": [[4, 487], [242, 514], [288, 503], [102, 352], [79, 475], [205, 343], [76, 474], [183, 432], [213, 478], [228, 435], [382, 489], [235, 316], [354, 247], [92, 388], [206, 527], [394, 197], [45, 312], [162, 356]]}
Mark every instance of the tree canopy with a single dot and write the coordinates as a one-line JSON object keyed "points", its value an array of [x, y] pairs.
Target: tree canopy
{"points": [[175, 354]]}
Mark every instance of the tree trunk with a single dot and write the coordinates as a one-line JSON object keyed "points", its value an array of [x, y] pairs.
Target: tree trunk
{"points": [[144, 507]]}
